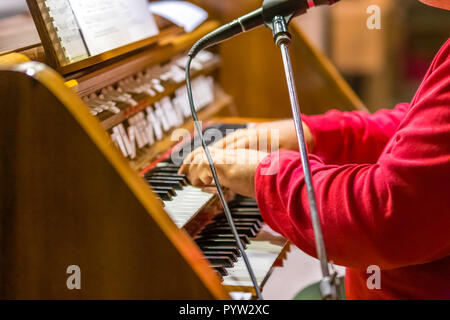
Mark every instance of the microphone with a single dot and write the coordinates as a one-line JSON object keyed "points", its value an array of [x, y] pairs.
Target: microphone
{"points": [[262, 16]]}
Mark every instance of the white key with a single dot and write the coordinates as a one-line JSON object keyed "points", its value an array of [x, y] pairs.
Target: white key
{"points": [[262, 252], [186, 204]]}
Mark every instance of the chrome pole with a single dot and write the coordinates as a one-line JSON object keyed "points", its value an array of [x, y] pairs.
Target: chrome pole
{"points": [[282, 40]]}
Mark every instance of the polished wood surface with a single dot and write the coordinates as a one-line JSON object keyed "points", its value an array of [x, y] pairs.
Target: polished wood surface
{"points": [[69, 198]]}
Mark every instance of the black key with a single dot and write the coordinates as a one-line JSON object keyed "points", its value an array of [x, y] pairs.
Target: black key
{"points": [[254, 215], [220, 269], [237, 210], [249, 225], [163, 195], [167, 174], [243, 223], [214, 235], [227, 230], [243, 204], [223, 219], [234, 249], [164, 169], [241, 197], [167, 160], [169, 179], [158, 183], [229, 254], [218, 242], [213, 227], [220, 260], [167, 165], [170, 190]]}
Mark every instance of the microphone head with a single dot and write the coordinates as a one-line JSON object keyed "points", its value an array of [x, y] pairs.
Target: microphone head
{"points": [[289, 8], [284, 8], [242, 24]]}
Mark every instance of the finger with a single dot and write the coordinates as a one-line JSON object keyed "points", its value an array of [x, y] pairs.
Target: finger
{"points": [[189, 160], [185, 166], [191, 155], [196, 182], [200, 172], [183, 169], [206, 177], [192, 175]]}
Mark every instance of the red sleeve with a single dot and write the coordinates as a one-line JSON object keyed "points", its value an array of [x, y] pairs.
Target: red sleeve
{"points": [[391, 213], [354, 137]]}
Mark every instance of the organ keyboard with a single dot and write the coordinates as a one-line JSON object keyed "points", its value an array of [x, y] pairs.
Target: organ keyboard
{"points": [[138, 111], [184, 203]]}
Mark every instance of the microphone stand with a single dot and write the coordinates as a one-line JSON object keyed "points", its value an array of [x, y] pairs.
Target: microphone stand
{"points": [[279, 26]]}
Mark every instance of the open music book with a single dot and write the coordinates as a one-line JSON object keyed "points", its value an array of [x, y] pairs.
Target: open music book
{"points": [[79, 29]]}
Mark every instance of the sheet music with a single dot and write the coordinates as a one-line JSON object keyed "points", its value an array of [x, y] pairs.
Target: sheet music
{"points": [[182, 13], [109, 24], [67, 30]]}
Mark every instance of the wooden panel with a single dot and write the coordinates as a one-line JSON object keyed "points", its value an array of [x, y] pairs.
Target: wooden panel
{"points": [[68, 197]]}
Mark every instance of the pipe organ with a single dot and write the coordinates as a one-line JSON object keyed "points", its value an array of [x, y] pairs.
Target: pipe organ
{"points": [[88, 176]]}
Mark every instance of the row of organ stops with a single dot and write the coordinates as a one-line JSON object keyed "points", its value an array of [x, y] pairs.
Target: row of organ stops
{"points": [[215, 239], [130, 91]]}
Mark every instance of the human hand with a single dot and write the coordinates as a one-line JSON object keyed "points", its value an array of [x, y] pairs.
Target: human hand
{"points": [[236, 168]]}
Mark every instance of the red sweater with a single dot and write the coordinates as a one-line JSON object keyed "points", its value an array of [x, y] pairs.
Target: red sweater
{"points": [[382, 183]]}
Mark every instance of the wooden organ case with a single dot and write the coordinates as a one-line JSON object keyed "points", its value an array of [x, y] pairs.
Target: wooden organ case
{"points": [[83, 182]]}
